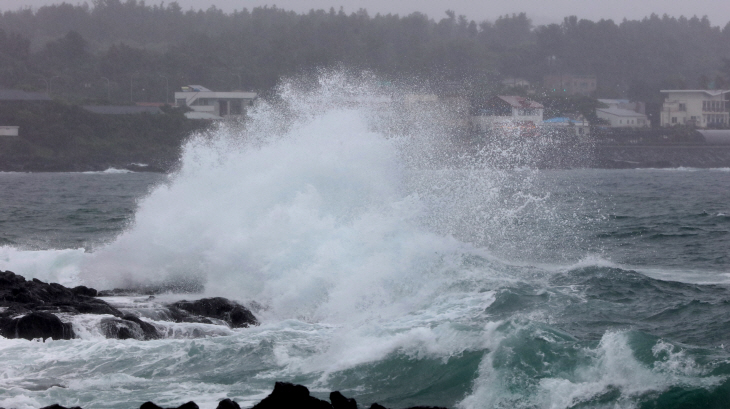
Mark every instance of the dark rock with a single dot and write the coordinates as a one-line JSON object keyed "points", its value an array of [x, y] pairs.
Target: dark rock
{"points": [[35, 295], [27, 309], [339, 401], [150, 405], [228, 404], [36, 325], [234, 314], [287, 395], [84, 290], [377, 406], [149, 330], [128, 327], [57, 406]]}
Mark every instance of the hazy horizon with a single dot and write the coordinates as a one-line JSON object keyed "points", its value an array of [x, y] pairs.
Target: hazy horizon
{"points": [[718, 11]]}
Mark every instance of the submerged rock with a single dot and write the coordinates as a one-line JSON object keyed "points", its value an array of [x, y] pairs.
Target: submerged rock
{"points": [[230, 312]]}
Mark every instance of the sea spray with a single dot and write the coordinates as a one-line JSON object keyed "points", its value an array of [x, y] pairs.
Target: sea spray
{"points": [[308, 208]]}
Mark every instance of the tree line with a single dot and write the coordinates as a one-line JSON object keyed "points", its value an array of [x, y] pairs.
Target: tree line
{"points": [[115, 51]]}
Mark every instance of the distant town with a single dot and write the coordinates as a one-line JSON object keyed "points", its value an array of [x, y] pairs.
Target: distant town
{"points": [[77, 79]]}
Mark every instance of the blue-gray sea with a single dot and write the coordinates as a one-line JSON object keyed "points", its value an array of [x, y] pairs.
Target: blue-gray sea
{"points": [[380, 272]]}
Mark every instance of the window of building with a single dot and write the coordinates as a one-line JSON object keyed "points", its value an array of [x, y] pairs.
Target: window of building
{"points": [[181, 102], [682, 107], [674, 119]]}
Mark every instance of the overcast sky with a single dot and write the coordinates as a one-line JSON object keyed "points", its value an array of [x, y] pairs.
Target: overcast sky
{"points": [[541, 11]]}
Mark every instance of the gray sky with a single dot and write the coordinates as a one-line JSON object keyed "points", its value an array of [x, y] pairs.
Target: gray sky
{"points": [[541, 11]]}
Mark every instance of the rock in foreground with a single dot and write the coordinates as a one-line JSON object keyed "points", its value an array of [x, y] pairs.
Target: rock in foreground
{"points": [[290, 396]]}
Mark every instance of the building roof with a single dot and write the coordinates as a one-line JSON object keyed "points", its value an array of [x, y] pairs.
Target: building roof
{"points": [[621, 112], [195, 88], [121, 109], [519, 102], [19, 95], [710, 92]]}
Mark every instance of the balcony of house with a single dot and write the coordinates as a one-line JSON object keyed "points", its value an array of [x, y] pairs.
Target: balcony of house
{"points": [[715, 106]]}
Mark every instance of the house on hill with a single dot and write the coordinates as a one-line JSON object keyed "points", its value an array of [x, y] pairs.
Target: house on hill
{"points": [[699, 108], [207, 104], [507, 111]]}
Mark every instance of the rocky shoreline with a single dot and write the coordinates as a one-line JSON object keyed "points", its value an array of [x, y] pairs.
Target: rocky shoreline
{"points": [[35, 310], [31, 309]]}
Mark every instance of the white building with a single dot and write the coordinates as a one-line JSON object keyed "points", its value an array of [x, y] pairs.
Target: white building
{"points": [[635, 106], [623, 118], [9, 130], [207, 104], [507, 110], [700, 108]]}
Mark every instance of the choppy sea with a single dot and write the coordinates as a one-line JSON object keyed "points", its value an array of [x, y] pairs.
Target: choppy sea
{"points": [[380, 272]]}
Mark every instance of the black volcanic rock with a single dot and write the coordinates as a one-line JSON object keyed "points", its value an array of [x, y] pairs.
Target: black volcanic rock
{"points": [[36, 325], [339, 401], [150, 405], [57, 406], [84, 290], [228, 404], [287, 395], [234, 314], [128, 327], [27, 310], [20, 295]]}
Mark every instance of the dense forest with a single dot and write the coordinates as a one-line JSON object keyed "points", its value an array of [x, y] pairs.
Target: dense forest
{"points": [[115, 51]]}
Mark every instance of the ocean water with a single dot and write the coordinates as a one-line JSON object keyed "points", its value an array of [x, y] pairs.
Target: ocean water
{"points": [[379, 269]]}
